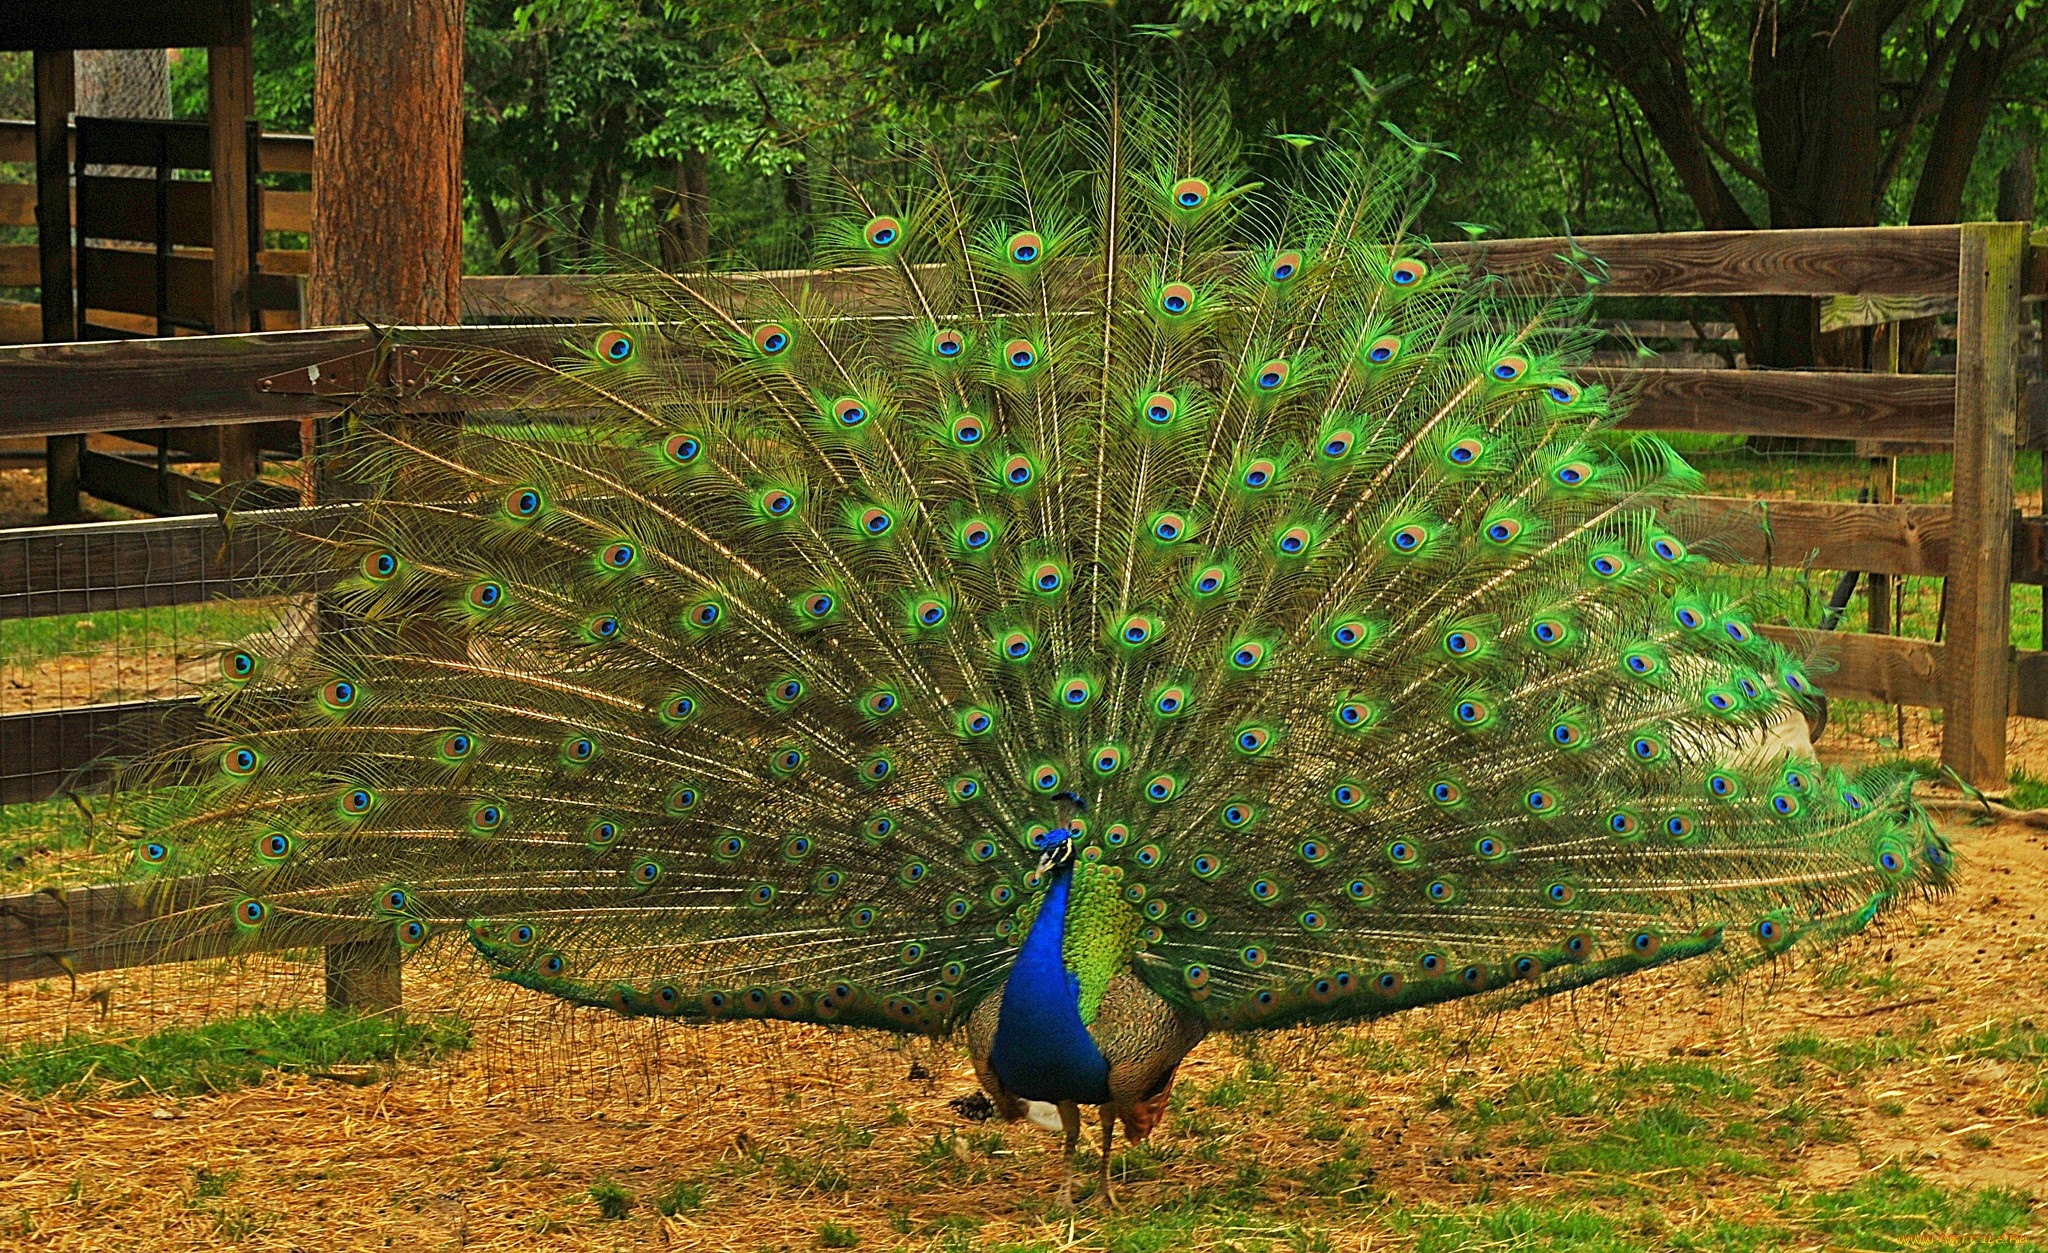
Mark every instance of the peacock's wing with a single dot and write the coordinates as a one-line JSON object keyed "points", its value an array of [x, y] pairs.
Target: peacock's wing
{"points": [[1293, 551]]}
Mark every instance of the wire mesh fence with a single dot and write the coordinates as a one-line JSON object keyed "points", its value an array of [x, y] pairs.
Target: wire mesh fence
{"points": [[106, 628]]}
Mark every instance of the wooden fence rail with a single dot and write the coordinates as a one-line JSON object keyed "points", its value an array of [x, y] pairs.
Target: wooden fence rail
{"points": [[1975, 543]]}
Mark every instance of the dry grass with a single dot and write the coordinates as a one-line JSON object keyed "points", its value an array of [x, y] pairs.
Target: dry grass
{"points": [[1662, 1111]]}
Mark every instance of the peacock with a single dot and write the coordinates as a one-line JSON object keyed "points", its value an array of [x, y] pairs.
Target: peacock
{"points": [[1112, 599]]}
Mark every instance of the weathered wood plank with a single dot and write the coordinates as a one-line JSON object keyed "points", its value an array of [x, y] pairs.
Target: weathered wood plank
{"points": [[44, 27], [21, 322], [125, 209], [1977, 674], [2030, 685], [124, 280], [1884, 668], [52, 934], [136, 484], [282, 153], [97, 566], [1827, 535], [196, 380], [17, 204], [288, 211], [48, 935], [1899, 261], [282, 210], [199, 380], [46, 751], [1866, 261], [1839, 313], [20, 265], [55, 96], [1815, 404]]}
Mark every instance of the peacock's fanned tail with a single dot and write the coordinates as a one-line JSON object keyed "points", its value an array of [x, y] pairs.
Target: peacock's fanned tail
{"points": [[1290, 548]]}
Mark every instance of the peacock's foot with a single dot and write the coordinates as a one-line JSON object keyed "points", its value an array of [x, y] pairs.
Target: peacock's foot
{"points": [[1107, 1195]]}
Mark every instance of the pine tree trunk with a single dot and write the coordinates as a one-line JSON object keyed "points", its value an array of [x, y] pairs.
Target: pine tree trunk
{"points": [[387, 187], [123, 84], [387, 248]]}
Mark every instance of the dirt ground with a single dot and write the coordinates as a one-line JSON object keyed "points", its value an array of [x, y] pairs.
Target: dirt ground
{"points": [[778, 1134]]}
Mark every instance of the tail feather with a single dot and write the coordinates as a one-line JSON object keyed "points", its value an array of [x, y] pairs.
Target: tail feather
{"points": [[1292, 549]]}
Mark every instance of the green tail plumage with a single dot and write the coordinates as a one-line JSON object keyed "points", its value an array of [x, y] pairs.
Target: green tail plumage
{"points": [[1291, 549]]}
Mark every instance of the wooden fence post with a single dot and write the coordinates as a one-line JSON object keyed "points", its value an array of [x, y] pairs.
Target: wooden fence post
{"points": [[55, 97], [364, 974], [231, 101], [1977, 654]]}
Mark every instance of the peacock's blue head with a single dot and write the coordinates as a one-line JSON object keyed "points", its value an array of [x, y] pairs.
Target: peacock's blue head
{"points": [[1056, 849]]}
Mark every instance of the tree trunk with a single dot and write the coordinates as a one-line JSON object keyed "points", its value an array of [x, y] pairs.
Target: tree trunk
{"points": [[796, 198], [1951, 150], [387, 185], [2016, 187], [123, 84], [387, 178], [387, 248], [686, 223], [1814, 76], [1814, 81]]}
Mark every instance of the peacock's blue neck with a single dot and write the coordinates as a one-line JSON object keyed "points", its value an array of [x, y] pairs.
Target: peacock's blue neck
{"points": [[1042, 1050]]}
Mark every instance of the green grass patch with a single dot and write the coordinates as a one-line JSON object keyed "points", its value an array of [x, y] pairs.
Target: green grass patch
{"points": [[222, 1056], [1572, 1228], [1851, 1056], [165, 630], [2028, 791], [1654, 1144], [613, 1200], [1891, 1209], [1895, 1205]]}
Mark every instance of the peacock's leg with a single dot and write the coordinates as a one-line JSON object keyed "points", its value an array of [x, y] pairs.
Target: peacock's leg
{"points": [[1108, 1135], [1070, 1120]]}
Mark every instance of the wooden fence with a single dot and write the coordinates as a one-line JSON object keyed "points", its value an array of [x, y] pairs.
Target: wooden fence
{"points": [[1976, 544], [284, 211]]}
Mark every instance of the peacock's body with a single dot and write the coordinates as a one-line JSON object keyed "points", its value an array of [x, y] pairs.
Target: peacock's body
{"points": [[1139, 603]]}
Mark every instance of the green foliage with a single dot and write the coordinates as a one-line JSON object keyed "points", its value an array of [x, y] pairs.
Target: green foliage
{"points": [[681, 1197], [612, 1199], [1893, 1204], [221, 1056], [835, 1236]]}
